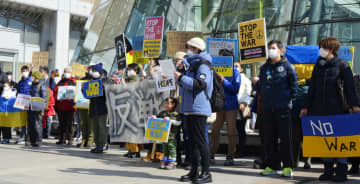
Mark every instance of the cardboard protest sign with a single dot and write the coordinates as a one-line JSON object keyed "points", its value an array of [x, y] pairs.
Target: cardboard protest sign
{"points": [[153, 36], [223, 65], [138, 44], [331, 136], [66, 93], [157, 130], [165, 84], [40, 59], [80, 101], [92, 89], [176, 40], [78, 69], [214, 45], [252, 41], [37, 104], [129, 107], [22, 102]]}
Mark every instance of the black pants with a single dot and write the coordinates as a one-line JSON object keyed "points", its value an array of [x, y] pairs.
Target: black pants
{"points": [[198, 145], [65, 122], [297, 135], [5, 132], [277, 125], [240, 125], [35, 126]]}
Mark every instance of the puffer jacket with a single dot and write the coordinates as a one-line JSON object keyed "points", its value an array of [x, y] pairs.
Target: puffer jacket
{"points": [[231, 87], [194, 84], [324, 96], [24, 86]]}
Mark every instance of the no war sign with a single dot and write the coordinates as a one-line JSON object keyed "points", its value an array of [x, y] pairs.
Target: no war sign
{"points": [[92, 89], [157, 130], [331, 136]]}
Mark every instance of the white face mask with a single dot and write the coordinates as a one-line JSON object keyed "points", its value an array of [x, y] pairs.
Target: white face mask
{"points": [[96, 75], [9, 77], [131, 73], [6, 88], [189, 52], [273, 53], [323, 53], [67, 75], [25, 74]]}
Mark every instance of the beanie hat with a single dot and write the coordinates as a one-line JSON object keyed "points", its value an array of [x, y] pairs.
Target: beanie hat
{"points": [[36, 75], [180, 55], [99, 68], [197, 43]]}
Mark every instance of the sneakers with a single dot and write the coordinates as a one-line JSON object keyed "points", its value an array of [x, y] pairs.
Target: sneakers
{"points": [[163, 163], [268, 172], [229, 161], [5, 141], [287, 172], [171, 166]]}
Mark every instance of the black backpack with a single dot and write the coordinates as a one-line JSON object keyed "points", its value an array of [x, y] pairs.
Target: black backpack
{"points": [[217, 100]]}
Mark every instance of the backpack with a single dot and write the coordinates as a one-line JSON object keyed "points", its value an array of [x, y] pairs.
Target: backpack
{"points": [[217, 100]]}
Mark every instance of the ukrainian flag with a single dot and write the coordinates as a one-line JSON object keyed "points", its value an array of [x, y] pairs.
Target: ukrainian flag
{"points": [[10, 116], [331, 136]]}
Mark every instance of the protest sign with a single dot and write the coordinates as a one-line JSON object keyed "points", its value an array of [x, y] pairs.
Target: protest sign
{"points": [[22, 102], [78, 69], [40, 59], [80, 101], [223, 65], [66, 93], [153, 36], [252, 41], [122, 46], [92, 89], [129, 107], [331, 136], [11, 116], [176, 41], [157, 130], [165, 84], [214, 45], [167, 67], [37, 104], [138, 44]]}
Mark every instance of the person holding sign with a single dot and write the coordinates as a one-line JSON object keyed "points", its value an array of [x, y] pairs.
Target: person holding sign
{"points": [[65, 109], [331, 92], [196, 86], [278, 86], [98, 111], [35, 116], [231, 87]]}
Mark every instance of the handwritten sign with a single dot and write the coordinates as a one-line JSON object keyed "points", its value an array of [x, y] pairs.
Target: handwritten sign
{"points": [[331, 136], [153, 36], [175, 41], [223, 65], [66, 93], [167, 67], [252, 41], [157, 130], [22, 102], [166, 84], [214, 45], [40, 59], [80, 101], [78, 69], [92, 89]]}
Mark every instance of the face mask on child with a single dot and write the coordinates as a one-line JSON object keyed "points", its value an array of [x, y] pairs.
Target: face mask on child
{"points": [[131, 73]]}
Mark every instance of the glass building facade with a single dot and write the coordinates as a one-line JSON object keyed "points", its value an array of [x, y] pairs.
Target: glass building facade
{"points": [[294, 22]]}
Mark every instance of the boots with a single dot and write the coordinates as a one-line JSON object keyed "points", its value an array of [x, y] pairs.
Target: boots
{"points": [[341, 172], [328, 172], [205, 177], [61, 139], [192, 175]]}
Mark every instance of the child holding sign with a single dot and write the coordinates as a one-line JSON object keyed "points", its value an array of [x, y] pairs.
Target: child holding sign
{"points": [[169, 148]]}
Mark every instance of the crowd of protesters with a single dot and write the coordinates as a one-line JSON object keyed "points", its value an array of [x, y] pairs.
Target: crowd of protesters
{"points": [[274, 96]]}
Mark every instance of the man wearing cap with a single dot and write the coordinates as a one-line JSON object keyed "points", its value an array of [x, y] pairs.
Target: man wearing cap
{"points": [[196, 82], [65, 109], [98, 111], [34, 116]]}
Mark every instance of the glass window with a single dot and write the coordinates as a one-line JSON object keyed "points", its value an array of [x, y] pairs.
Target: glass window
{"points": [[32, 35]]}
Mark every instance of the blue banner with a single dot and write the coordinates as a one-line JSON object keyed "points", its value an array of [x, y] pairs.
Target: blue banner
{"points": [[138, 43], [214, 45], [92, 89]]}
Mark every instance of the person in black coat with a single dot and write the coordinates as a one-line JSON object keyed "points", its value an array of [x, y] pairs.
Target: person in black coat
{"points": [[325, 97]]}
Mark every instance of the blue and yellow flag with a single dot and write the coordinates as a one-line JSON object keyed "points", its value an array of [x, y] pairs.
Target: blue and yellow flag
{"points": [[331, 136], [10, 116]]}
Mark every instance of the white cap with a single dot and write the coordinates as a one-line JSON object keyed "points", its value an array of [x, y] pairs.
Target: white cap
{"points": [[180, 55], [197, 43]]}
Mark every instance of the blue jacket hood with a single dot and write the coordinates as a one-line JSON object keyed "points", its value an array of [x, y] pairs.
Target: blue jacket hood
{"points": [[191, 60]]}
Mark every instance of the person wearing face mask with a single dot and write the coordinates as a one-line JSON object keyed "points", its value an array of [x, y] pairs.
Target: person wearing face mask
{"points": [[98, 111], [195, 78], [65, 109], [278, 86], [24, 88], [323, 99], [12, 83]]}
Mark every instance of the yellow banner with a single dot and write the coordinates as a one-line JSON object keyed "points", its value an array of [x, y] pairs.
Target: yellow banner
{"points": [[139, 59], [152, 48], [13, 119], [344, 146]]}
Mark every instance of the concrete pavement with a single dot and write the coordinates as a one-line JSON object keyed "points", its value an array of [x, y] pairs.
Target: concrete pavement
{"points": [[53, 164]]}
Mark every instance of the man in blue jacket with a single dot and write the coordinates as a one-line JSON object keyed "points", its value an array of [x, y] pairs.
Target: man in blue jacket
{"points": [[278, 86], [195, 80], [231, 87]]}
